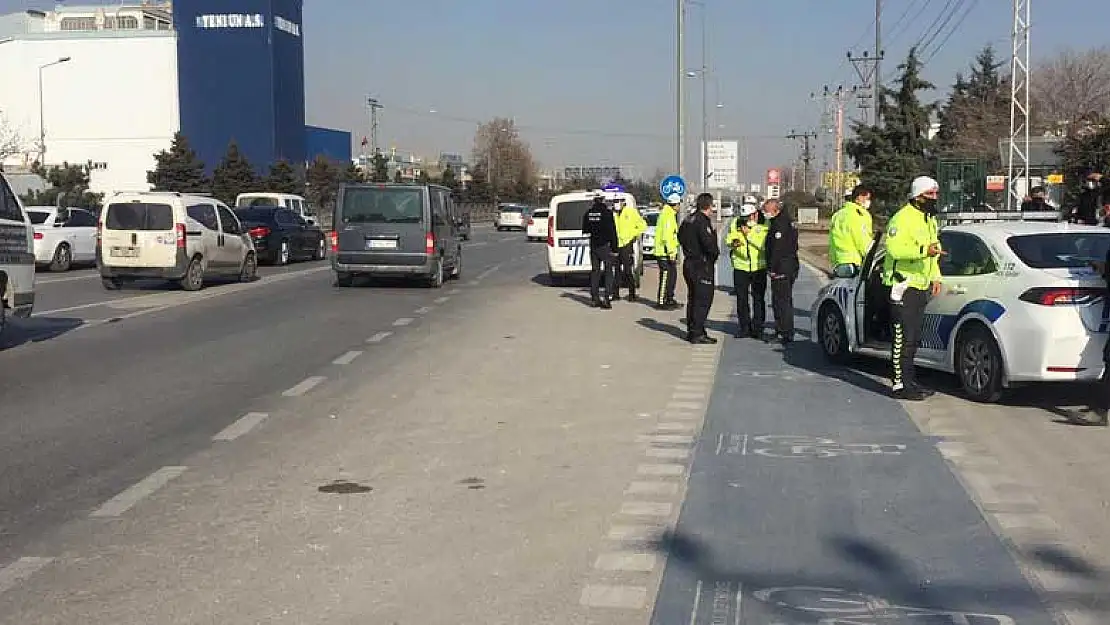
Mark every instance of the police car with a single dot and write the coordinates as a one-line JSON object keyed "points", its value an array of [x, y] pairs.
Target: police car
{"points": [[17, 258], [568, 249], [1020, 302]]}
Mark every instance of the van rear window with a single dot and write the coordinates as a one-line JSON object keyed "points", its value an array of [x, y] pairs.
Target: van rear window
{"points": [[568, 215], [251, 202], [382, 205], [139, 216]]}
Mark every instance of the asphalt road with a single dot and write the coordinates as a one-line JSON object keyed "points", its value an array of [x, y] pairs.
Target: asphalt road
{"points": [[813, 496], [100, 388]]}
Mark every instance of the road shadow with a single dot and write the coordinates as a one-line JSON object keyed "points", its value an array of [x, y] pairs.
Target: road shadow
{"points": [[567, 281], [578, 297], [880, 584], [809, 356], [655, 325], [36, 330]]}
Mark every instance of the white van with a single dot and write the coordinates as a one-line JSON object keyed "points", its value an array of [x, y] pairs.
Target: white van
{"points": [[17, 258], [172, 236], [568, 250], [295, 203]]}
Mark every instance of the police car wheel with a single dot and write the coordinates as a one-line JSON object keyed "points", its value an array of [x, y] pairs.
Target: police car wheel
{"points": [[832, 334], [979, 364]]}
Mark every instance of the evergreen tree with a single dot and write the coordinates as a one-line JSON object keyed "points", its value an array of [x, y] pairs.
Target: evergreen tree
{"points": [[397, 177], [977, 113], [234, 175], [1085, 149], [448, 179], [179, 169], [891, 156], [283, 179], [321, 188], [69, 186], [353, 174], [380, 167]]}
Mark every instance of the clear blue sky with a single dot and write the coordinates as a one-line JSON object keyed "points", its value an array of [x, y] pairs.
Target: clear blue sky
{"points": [[562, 69]]}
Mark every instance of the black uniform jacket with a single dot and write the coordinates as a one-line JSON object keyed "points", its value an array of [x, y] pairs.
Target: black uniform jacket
{"points": [[699, 240], [599, 224], [782, 246]]}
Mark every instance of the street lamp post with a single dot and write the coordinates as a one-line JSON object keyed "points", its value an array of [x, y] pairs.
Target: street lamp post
{"points": [[42, 110]]}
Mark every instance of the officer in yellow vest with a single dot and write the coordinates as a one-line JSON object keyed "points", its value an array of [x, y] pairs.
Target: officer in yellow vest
{"points": [[746, 240], [666, 253], [911, 269], [851, 234], [630, 225]]}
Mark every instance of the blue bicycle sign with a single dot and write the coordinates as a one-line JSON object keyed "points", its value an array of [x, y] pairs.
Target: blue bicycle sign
{"points": [[672, 188]]}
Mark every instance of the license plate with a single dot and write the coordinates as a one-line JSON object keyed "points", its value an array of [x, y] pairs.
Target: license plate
{"points": [[381, 244], [574, 242], [124, 252]]}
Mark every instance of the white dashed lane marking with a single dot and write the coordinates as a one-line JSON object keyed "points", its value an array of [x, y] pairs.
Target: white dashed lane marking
{"points": [[626, 561], [20, 570], [661, 469], [647, 508], [403, 321], [245, 424], [148, 486], [672, 439], [347, 358], [668, 453], [635, 533], [652, 488], [441, 300], [423, 310], [305, 386], [603, 596], [379, 337]]}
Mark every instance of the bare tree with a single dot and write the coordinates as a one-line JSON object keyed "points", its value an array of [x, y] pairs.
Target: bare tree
{"points": [[503, 158], [11, 143], [1070, 87]]}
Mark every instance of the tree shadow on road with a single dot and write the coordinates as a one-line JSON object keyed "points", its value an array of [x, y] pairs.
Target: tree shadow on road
{"points": [[882, 584], [36, 330]]}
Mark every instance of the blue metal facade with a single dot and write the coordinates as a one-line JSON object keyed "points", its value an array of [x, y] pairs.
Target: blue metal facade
{"points": [[334, 144], [241, 77]]}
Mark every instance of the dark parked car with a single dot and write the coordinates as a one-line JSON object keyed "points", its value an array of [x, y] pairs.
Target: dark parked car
{"points": [[281, 236]]}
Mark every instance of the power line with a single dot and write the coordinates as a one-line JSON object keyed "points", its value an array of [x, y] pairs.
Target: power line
{"points": [[932, 28], [912, 20], [955, 9], [955, 27], [553, 129]]}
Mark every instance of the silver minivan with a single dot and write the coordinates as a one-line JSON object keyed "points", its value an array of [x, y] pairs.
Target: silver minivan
{"points": [[396, 230]]}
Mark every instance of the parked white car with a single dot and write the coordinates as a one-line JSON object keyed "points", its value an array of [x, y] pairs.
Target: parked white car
{"points": [[647, 239], [183, 238], [537, 225], [17, 261], [1020, 302], [63, 236], [295, 203]]}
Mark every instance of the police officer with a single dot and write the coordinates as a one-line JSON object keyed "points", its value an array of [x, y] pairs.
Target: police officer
{"points": [[782, 267], [599, 225], [1100, 398], [666, 253], [851, 234], [912, 271], [746, 239], [1090, 199], [630, 225], [699, 247]]}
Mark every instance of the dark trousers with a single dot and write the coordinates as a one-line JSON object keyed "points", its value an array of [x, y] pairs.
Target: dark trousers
{"points": [[601, 268], [782, 303], [750, 285], [626, 270], [699, 285], [668, 274], [908, 318]]}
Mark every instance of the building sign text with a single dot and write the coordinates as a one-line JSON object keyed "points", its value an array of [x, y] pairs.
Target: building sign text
{"points": [[231, 20]]}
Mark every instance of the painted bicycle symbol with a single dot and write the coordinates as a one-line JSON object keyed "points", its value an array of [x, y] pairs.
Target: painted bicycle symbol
{"points": [[837, 606], [789, 446]]}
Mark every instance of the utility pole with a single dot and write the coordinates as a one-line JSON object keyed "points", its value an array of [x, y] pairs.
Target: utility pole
{"points": [[807, 156], [867, 68], [877, 83], [704, 104], [680, 90], [836, 129], [375, 106], [1017, 164]]}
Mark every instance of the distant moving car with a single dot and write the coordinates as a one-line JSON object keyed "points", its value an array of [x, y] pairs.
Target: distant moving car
{"points": [[537, 225], [647, 239], [63, 236], [395, 230], [17, 260], [1020, 303], [728, 210], [183, 238], [510, 217], [295, 203], [568, 249], [281, 236]]}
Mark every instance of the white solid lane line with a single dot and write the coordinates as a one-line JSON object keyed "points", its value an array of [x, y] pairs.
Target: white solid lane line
{"points": [[20, 570], [423, 310], [305, 386], [189, 298], [127, 499], [65, 279], [347, 358], [245, 424], [403, 321], [379, 337], [442, 300]]}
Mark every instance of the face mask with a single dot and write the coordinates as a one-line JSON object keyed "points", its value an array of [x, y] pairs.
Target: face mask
{"points": [[1090, 184], [929, 205]]}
